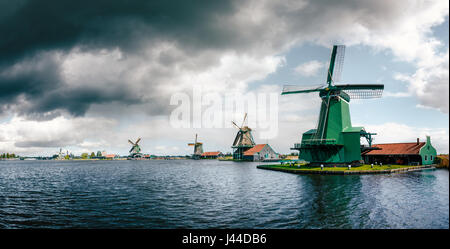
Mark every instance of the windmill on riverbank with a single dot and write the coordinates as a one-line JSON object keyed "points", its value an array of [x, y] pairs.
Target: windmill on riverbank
{"points": [[334, 140], [135, 150], [198, 148], [243, 140]]}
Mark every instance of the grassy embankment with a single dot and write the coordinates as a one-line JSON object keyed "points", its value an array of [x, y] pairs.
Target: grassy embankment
{"points": [[364, 167]]}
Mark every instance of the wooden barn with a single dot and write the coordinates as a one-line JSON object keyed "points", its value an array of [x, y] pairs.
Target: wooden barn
{"points": [[260, 152], [211, 155], [418, 153]]}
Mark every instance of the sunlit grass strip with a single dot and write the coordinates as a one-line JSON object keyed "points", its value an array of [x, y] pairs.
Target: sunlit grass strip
{"points": [[363, 169]]}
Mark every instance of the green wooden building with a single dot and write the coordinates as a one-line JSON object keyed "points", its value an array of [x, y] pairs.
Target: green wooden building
{"points": [[418, 153]]}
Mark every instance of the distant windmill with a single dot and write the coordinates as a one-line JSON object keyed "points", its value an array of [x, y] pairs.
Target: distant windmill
{"points": [[135, 151], [335, 141], [60, 154], [243, 141], [198, 148]]}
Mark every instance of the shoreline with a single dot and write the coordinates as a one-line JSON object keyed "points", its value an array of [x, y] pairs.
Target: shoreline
{"points": [[300, 171]]}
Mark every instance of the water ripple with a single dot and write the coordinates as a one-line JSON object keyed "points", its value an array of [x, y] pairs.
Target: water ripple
{"points": [[212, 194]]}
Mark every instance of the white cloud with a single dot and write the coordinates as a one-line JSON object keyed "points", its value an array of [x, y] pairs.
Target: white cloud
{"points": [[402, 27], [309, 68], [20, 135], [396, 94], [430, 83]]}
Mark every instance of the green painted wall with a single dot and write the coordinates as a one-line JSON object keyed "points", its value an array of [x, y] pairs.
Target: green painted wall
{"points": [[336, 126], [428, 152]]}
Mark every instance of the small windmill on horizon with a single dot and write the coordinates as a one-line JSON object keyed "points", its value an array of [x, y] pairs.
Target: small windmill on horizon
{"points": [[135, 150], [198, 148], [243, 140]]}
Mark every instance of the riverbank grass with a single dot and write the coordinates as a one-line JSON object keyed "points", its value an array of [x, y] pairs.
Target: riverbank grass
{"points": [[364, 167]]}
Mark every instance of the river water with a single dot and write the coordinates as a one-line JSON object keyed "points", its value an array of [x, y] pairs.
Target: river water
{"points": [[213, 194]]}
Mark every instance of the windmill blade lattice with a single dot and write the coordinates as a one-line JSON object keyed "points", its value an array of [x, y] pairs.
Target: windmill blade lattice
{"points": [[289, 89], [364, 94], [362, 91], [338, 63]]}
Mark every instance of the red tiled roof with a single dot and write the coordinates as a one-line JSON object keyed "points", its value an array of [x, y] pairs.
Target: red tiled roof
{"points": [[256, 148], [397, 149], [110, 155], [213, 153]]}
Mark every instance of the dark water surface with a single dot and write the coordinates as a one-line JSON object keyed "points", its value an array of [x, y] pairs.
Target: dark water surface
{"points": [[213, 194]]}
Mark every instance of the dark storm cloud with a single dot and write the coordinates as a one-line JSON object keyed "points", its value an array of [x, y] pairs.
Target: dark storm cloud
{"points": [[32, 78], [39, 82], [34, 33], [43, 144], [32, 28]]}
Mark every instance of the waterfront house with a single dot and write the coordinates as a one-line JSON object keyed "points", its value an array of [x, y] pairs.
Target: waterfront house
{"points": [[111, 156], [211, 155], [260, 152], [418, 153]]}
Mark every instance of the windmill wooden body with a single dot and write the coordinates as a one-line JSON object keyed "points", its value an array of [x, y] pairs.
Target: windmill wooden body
{"points": [[135, 150], [335, 140], [198, 148], [243, 140]]}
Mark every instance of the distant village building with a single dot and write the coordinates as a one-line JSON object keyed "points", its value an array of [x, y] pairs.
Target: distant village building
{"points": [[111, 156], [418, 153], [260, 152], [211, 155]]}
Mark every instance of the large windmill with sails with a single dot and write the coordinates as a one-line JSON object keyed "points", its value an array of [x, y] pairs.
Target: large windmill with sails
{"points": [[334, 140], [243, 140]]}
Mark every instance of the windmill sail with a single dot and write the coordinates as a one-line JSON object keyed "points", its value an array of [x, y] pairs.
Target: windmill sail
{"points": [[244, 136], [362, 91], [243, 140], [198, 147], [135, 149], [290, 89], [237, 139], [338, 63]]}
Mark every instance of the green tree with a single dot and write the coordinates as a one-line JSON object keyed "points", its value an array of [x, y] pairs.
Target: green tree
{"points": [[92, 155], [84, 155], [99, 153]]}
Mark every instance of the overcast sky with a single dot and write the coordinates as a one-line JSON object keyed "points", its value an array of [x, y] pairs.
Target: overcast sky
{"points": [[89, 75]]}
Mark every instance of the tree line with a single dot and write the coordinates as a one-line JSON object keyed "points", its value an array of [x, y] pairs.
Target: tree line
{"points": [[7, 155]]}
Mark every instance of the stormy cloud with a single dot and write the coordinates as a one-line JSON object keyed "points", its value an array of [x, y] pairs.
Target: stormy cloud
{"points": [[30, 26], [158, 40]]}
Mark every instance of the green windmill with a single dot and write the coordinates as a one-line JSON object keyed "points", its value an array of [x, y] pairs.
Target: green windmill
{"points": [[335, 141], [135, 151]]}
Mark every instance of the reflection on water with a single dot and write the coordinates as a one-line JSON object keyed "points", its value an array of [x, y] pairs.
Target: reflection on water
{"points": [[213, 194]]}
